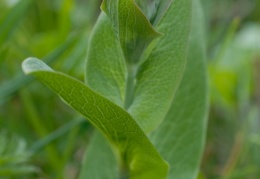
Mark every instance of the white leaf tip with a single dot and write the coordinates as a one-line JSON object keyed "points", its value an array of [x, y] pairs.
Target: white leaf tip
{"points": [[32, 64]]}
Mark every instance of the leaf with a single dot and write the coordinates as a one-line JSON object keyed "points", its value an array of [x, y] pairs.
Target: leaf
{"points": [[181, 136], [132, 27], [148, 96], [154, 9], [159, 76], [105, 62], [99, 161], [104, 65], [106, 71], [134, 148]]}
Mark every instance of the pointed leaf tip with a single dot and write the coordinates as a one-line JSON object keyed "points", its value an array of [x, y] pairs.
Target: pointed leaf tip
{"points": [[32, 64]]}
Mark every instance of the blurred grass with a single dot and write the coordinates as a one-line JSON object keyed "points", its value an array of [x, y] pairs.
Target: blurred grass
{"points": [[233, 51], [58, 32]]}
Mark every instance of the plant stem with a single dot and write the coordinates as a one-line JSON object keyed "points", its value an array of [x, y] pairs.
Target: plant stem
{"points": [[130, 85], [124, 173], [129, 95]]}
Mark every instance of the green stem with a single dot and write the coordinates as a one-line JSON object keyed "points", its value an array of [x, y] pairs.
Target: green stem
{"points": [[130, 85], [124, 173], [129, 95]]}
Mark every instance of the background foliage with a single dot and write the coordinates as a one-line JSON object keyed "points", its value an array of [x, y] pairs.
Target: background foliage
{"points": [[52, 145]]}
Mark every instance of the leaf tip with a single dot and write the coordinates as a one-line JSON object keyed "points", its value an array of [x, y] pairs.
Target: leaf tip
{"points": [[32, 64]]}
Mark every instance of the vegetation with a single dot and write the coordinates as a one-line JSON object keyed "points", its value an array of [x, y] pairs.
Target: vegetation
{"points": [[145, 89]]}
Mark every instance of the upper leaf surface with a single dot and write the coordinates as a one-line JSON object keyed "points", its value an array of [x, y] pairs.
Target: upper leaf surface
{"points": [[105, 70], [106, 74], [181, 136], [154, 9], [117, 125], [133, 28], [159, 76]]}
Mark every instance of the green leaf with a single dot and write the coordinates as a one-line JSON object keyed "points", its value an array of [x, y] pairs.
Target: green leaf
{"points": [[133, 29], [159, 76], [99, 161], [104, 65], [132, 145], [154, 9], [148, 96], [105, 62], [181, 136]]}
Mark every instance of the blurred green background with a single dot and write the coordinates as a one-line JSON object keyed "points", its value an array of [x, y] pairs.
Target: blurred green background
{"points": [[39, 139]]}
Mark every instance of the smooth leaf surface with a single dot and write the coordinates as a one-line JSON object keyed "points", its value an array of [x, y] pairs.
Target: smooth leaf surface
{"points": [[99, 161], [132, 27], [105, 70], [181, 136], [106, 74], [140, 156], [154, 9], [159, 76]]}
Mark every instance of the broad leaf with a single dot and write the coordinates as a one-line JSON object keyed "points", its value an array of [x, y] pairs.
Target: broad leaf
{"points": [[132, 145], [181, 136], [159, 76], [148, 96], [133, 29], [106, 74], [106, 71]]}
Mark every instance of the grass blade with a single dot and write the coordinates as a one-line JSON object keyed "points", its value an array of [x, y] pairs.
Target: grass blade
{"points": [[9, 23]]}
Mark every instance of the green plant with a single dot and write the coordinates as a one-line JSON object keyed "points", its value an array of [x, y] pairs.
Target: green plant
{"points": [[145, 67]]}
